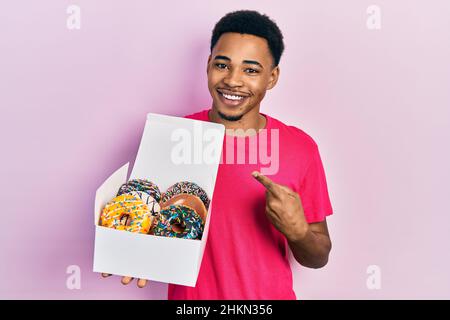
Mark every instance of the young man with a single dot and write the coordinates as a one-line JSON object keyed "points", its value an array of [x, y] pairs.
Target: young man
{"points": [[257, 217]]}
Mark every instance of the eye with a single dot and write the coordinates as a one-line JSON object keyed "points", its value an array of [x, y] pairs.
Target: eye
{"points": [[220, 65], [253, 70]]}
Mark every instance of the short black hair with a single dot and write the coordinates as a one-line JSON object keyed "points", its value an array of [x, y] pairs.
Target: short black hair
{"points": [[251, 22]]}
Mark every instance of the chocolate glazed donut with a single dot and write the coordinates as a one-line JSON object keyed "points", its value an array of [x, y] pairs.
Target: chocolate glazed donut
{"points": [[186, 187], [189, 200]]}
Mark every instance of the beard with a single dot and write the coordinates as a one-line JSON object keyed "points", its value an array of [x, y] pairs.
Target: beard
{"points": [[229, 118]]}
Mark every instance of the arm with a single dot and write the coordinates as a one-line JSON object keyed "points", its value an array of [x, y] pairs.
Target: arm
{"points": [[312, 247], [310, 243]]}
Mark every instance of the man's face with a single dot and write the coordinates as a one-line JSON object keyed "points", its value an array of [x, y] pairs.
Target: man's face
{"points": [[240, 67]]}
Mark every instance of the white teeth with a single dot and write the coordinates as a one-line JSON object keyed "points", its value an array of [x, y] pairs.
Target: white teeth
{"points": [[232, 97]]}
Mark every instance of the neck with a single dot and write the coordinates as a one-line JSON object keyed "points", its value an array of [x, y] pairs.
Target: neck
{"points": [[251, 120]]}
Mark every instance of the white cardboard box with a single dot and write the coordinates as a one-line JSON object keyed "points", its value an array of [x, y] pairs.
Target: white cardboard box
{"points": [[165, 142]]}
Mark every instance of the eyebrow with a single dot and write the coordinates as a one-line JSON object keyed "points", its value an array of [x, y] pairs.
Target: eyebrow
{"points": [[244, 61]]}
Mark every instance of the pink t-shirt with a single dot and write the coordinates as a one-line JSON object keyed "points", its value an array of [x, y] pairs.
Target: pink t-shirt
{"points": [[245, 256]]}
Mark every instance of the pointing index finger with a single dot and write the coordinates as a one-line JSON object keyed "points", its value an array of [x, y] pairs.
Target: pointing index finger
{"points": [[266, 182]]}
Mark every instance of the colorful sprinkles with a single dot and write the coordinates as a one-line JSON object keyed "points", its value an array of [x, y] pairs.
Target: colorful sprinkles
{"points": [[143, 186], [186, 187], [178, 221], [151, 203], [136, 208], [127, 212]]}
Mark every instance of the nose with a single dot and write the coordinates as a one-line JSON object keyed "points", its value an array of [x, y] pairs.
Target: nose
{"points": [[233, 78]]}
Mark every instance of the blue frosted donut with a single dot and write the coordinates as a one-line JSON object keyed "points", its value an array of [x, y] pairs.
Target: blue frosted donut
{"points": [[178, 221]]}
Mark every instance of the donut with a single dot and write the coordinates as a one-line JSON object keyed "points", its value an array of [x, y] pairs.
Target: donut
{"points": [[141, 185], [186, 187], [151, 203], [127, 212], [188, 200], [178, 221]]}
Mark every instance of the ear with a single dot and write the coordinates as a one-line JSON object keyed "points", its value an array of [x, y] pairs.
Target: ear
{"points": [[207, 65], [273, 79]]}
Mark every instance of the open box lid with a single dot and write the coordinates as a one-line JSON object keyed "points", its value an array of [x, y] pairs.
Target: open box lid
{"points": [[174, 149]]}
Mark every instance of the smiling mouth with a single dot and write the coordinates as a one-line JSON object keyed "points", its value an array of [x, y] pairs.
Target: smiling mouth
{"points": [[232, 100]]}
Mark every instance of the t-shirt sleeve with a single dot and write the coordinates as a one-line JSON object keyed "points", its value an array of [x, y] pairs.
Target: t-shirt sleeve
{"points": [[314, 191]]}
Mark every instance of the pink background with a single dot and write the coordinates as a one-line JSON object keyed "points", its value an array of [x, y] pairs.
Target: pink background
{"points": [[377, 102]]}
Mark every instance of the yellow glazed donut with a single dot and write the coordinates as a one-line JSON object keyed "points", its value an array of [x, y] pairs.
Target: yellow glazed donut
{"points": [[127, 212]]}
